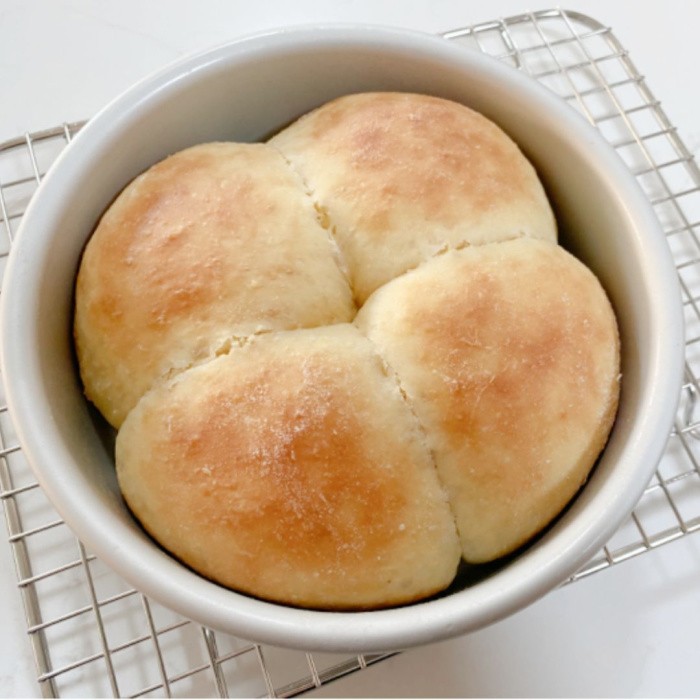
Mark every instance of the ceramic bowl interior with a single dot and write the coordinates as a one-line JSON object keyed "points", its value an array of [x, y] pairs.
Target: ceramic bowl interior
{"points": [[245, 91]]}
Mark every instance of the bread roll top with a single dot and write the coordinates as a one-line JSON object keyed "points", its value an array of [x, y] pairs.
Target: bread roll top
{"points": [[509, 354], [292, 469], [287, 446], [402, 176], [215, 242]]}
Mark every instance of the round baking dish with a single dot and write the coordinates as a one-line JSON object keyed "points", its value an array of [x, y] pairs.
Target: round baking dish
{"points": [[244, 91]]}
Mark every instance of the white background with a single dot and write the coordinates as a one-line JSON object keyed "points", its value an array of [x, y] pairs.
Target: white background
{"points": [[633, 630]]}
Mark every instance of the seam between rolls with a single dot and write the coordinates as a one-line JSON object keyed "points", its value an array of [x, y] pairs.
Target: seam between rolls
{"points": [[324, 221], [391, 374], [448, 247], [220, 350]]}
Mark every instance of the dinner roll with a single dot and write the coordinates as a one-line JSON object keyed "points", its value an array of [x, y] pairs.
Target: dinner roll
{"points": [[292, 469], [216, 242], [400, 176], [509, 355], [283, 444]]}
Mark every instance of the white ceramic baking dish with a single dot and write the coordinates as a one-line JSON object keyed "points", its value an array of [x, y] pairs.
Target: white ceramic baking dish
{"points": [[244, 91]]}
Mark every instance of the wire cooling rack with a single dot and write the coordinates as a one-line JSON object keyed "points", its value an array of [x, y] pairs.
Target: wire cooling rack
{"points": [[94, 635]]}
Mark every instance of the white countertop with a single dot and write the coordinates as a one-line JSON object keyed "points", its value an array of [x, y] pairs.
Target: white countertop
{"points": [[632, 630]]}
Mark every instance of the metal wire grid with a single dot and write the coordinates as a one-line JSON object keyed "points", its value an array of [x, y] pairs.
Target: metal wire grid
{"points": [[94, 635]]}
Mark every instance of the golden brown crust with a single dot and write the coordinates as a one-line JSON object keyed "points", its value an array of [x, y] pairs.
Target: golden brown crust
{"points": [[215, 242], [403, 175], [510, 355], [286, 453], [292, 469]]}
